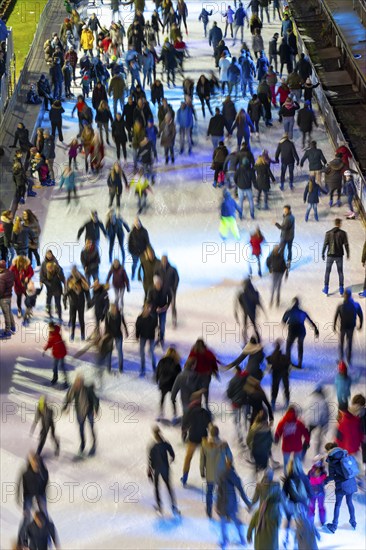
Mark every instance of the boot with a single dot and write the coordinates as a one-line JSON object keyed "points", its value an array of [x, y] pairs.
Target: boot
{"points": [[341, 290], [325, 289], [184, 479]]}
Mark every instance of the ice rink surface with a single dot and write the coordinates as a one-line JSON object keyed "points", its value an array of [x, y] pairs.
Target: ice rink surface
{"points": [[106, 502]]}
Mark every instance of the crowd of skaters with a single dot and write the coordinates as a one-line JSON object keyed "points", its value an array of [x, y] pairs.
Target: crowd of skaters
{"points": [[122, 63]]}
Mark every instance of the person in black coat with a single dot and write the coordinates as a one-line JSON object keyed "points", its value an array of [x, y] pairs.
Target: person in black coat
{"points": [[127, 115], [54, 279], [287, 228], [159, 298], [203, 91], [295, 318], [264, 177], [44, 413], [305, 121], [347, 313], [92, 229], [40, 532], [167, 371], [248, 299], [99, 94], [277, 267], [280, 367], [157, 92], [170, 278], [113, 326], [194, 428], [55, 117], [138, 241], [44, 90], [77, 291], [90, 260], [119, 135], [33, 482], [287, 150], [343, 487], [115, 226], [146, 324], [159, 466], [335, 244]]}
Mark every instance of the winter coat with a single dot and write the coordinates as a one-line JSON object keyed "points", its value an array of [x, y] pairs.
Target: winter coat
{"points": [[7, 278], [349, 435], [342, 485], [170, 277], [100, 302], [56, 343], [185, 117], [119, 131], [317, 479], [99, 94], [257, 399], [158, 458], [288, 152], [113, 324], [227, 503], [315, 157], [245, 177], [335, 242], [287, 227], [187, 382], [213, 459], [22, 135], [205, 362], [86, 401], [306, 119], [21, 240], [116, 185], [117, 86], [195, 422], [90, 260], [235, 390], [317, 411], [48, 150], [343, 387], [55, 114], [276, 263], [159, 299], [77, 290], [166, 373], [53, 281], [92, 230], [289, 109], [20, 284], [219, 156], [146, 327], [217, 125], [264, 176], [297, 488], [243, 125], [167, 133], [283, 91], [259, 441], [119, 278], [255, 109], [138, 240], [255, 355], [68, 180], [294, 81], [149, 269], [334, 174], [35, 483], [229, 112], [313, 195], [87, 39], [214, 36], [266, 520], [293, 432], [103, 116]]}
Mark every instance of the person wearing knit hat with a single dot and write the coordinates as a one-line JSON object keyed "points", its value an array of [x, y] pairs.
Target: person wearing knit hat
{"points": [[287, 113]]}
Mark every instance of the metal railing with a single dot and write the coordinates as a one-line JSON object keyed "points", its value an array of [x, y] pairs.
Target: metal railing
{"points": [[359, 6], [7, 82], [334, 130]]}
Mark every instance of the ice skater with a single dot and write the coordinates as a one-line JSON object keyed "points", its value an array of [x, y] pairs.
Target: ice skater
{"points": [[295, 319], [44, 413], [227, 221]]}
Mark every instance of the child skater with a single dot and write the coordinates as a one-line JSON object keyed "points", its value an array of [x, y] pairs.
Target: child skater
{"points": [[256, 240]]}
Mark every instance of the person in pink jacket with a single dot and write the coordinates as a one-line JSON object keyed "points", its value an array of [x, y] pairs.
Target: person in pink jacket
{"points": [[317, 476]]}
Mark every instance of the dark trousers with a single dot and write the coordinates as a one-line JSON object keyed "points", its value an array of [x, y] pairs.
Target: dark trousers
{"points": [[292, 336], [120, 144], [81, 422], [204, 381], [346, 334], [69, 191], [43, 437], [34, 251], [165, 478], [79, 311], [57, 304], [210, 486], [27, 508], [167, 151], [207, 100], [57, 126], [59, 363], [337, 507], [164, 393], [339, 263], [333, 191], [276, 379], [283, 245], [245, 328], [135, 261], [276, 287], [113, 194], [284, 167], [121, 244]]}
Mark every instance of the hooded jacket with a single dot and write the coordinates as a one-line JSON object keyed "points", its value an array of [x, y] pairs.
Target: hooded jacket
{"points": [[306, 119], [286, 149], [334, 174], [56, 343], [195, 422], [293, 433], [349, 435]]}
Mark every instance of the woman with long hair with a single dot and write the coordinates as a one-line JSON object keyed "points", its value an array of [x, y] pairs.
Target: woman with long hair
{"points": [[87, 136], [21, 237], [30, 220], [244, 124], [114, 182], [23, 272]]}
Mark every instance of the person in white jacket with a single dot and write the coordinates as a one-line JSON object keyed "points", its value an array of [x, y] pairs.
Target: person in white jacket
{"points": [[224, 64]]}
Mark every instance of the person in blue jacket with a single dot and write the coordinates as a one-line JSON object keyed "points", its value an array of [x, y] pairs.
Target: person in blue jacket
{"points": [[239, 18], [311, 193], [185, 122], [295, 319], [204, 15], [228, 222]]}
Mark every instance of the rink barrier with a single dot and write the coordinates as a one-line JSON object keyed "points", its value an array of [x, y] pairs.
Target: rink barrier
{"points": [[333, 128], [7, 81]]}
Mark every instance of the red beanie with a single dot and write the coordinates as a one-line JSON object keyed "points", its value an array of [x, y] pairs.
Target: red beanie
{"points": [[342, 367]]}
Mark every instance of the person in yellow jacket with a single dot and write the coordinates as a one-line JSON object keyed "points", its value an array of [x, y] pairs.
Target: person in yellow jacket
{"points": [[141, 185], [87, 40]]}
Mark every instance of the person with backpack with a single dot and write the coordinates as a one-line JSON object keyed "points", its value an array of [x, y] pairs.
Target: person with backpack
{"points": [[295, 436], [86, 406], [342, 469], [159, 454], [214, 453], [227, 507]]}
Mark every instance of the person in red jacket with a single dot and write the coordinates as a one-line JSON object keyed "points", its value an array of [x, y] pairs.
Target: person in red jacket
{"points": [[56, 343], [346, 155], [23, 272], [349, 429], [255, 241], [295, 436], [204, 363]]}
